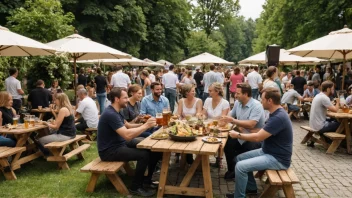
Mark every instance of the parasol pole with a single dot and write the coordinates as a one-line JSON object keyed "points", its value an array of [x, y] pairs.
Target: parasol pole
{"points": [[74, 81], [344, 67]]}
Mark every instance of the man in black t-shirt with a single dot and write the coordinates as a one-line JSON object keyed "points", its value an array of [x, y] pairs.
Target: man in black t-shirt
{"points": [[39, 96], [299, 83], [82, 79], [113, 136], [198, 77]]}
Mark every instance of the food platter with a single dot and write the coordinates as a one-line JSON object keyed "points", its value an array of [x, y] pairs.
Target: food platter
{"points": [[160, 136], [211, 140], [181, 132]]}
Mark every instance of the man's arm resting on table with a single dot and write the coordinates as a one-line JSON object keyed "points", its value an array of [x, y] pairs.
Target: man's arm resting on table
{"points": [[251, 137]]}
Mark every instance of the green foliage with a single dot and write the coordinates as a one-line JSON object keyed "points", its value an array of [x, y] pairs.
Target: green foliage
{"points": [[8, 62], [42, 20], [198, 43], [290, 23], [208, 14], [6, 6], [238, 33], [120, 24], [167, 29]]}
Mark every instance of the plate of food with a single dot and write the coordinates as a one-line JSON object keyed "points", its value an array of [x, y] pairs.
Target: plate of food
{"points": [[181, 132], [160, 136], [226, 127], [212, 140]]}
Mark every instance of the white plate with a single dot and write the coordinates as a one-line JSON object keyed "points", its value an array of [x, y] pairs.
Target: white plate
{"points": [[205, 139]]}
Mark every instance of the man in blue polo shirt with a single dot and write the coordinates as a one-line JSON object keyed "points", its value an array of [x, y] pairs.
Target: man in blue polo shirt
{"points": [[250, 118], [276, 151], [113, 136], [155, 102]]}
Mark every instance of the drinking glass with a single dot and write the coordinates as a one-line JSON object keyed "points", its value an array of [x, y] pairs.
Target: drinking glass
{"points": [[159, 119], [15, 120], [26, 122]]}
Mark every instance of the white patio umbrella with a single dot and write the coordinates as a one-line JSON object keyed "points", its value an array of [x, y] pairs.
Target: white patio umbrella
{"points": [[206, 58], [152, 63], [285, 59], [12, 44], [131, 62], [82, 48], [164, 62], [335, 45]]}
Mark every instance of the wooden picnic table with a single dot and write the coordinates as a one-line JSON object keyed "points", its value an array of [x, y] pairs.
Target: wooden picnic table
{"points": [[344, 127], [42, 112], [199, 148], [22, 136]]}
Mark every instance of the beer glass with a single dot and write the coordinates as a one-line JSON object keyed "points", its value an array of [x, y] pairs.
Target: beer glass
{"points": [[15, 120], [166, 116], [26, 122], [159, 119], [32, 120]]}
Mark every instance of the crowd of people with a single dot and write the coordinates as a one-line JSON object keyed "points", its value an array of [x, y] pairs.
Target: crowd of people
{"points": [[117, 104]]}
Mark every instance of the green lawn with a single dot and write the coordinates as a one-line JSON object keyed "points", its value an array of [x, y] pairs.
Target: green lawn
{"points": [[40, 178]]}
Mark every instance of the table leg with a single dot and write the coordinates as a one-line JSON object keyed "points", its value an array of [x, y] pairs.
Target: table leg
{"points": [[41, 116], [187, 179], [163, 173], [348, 135], [208, 186], [7, 170]]}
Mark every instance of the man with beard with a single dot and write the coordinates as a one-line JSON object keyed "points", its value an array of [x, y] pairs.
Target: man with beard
{"points": [[250, 117], [113, 136], [276, 151], [320, 104], [155, 102]]}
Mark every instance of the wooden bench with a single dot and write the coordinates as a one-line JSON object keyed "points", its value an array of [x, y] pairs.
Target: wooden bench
{"points": [[336, 140], [97, 167], [91, 133], [5, 166], [276, 180], [58, 149], [310, 137]]}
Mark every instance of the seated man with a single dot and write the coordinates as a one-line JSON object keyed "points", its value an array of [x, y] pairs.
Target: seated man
{"points": [[308, 95], [113, 134], [276, 151], [39, 96], [289, 98], [320, 103], [155, 102], [250, 115], [88, 111]]}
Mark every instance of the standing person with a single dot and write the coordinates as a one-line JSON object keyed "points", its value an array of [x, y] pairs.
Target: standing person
{"points": [[255, 81], [7, 113], [82, 78], [216, 106], [88, 111], [152, 76], [64, 124], [120, 79], [147, 83], [208, 79], [39, 96], [170, 83], [236, 78], [101, 84], [198, 77], [328, 74], [321, 102], [316, 76], [188, 79], [54, 86], [276, 152], [132, 111], [114, 133], [13, 87], [299, 83]]}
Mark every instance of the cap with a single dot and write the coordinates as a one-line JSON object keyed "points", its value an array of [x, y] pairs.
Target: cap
{"points": [[198, 68]]}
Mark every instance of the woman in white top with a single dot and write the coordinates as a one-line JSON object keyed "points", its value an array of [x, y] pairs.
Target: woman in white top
{"points": [[272, 74], [216, 105], [188, 80], [189, 104]]}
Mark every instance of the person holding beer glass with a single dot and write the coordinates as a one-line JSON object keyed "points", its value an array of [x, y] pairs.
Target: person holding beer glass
{"points": [[131, 113], [189, 104], [7, 116]]}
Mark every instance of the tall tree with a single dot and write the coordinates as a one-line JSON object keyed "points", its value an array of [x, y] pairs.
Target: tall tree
{"points": [[6, 6], [208, 14], [120, 24], [198, 43], [168, 24]]}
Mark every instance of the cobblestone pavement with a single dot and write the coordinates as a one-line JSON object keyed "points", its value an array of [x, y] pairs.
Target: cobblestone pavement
{"points": [[321, 175]]}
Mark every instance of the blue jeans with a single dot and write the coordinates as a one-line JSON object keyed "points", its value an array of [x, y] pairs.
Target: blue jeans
{"points": [[101, 97], [148, 132], [170, 94], [248, 162], [329, 126], [255, 93], [293, 108], [199, 91], [7, 142], [205, 96]]}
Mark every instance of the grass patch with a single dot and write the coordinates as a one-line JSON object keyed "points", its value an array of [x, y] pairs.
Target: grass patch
{"points": [[40, 178]]}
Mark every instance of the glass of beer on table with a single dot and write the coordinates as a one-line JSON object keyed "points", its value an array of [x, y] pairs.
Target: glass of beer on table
{"points": [[15, 120], [32, 120], [159, 119], [26, 122], [166, 116]]}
